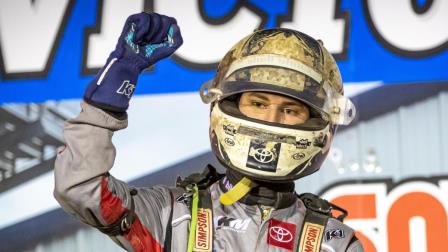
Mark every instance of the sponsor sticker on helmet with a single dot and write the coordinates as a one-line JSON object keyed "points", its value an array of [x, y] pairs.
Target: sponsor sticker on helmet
{"points": [[229, 129], [281, 234], [263, 155], [303, 143], [298, 155], [229, 141]]}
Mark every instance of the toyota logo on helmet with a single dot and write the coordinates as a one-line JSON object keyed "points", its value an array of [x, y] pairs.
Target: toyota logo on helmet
{"points": [[262, 155], [280, 234]]}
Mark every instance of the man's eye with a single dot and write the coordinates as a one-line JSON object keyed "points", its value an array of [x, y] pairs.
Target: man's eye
{"points": [[289, 111], [258, 104]]}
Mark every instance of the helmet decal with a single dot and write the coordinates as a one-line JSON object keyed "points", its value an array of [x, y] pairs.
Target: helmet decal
{"points": [[263, 155]]}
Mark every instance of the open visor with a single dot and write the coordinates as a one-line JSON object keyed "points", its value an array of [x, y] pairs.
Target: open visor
{"points": [[341, 109], [282, 76]]}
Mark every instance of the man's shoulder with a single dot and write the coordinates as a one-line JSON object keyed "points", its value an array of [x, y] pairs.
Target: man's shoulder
{"points": [[328, 217]]}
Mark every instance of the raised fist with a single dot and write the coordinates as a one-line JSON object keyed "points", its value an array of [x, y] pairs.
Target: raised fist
{"points": [[146, 38], [149, 36]]}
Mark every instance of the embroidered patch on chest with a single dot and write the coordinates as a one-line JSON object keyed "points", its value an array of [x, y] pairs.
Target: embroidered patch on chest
{"points": [[281, 234], [334, 233]]}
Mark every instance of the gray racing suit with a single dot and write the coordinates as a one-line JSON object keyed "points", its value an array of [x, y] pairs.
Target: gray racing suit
{"points": [[85, 189]]}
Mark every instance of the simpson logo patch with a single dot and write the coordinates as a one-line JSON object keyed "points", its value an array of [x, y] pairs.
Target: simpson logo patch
{"points": [[281, 234], [311, 237], [203, 241]]}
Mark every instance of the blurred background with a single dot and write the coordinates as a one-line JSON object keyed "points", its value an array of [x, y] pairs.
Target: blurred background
{"points": [[389, 168]]}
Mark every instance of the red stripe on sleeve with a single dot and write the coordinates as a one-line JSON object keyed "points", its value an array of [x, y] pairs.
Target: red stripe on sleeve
{"points": [[139, 237]]}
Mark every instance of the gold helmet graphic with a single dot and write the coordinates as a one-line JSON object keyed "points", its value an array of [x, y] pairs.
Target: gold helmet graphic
{"points": [[285, 62]]}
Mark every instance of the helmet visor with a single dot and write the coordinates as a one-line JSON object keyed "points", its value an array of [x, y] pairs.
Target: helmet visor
{"points": [[332, 106], [286, 76]]}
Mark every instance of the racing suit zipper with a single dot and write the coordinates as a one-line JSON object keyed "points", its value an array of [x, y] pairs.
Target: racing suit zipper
{"points": [[265, 213]]}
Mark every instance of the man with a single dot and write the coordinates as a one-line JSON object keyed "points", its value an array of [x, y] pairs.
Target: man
{"points": [[276, 101]]}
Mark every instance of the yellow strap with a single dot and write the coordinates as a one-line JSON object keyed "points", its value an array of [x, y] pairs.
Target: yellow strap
{"points": [[237, 192]]}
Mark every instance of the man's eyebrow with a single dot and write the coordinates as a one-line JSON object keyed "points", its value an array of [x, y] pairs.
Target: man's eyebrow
{"points": [[259, 96], [287, 103], [291, 103]]}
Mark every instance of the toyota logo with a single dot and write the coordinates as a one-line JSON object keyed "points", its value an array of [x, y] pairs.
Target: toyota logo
{"points": [[263, 155], [280, 234]]}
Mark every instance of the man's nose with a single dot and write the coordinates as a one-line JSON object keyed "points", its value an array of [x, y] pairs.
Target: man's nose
{"points": [[273, 115]]}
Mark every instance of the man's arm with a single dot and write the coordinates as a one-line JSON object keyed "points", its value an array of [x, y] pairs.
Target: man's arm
{"points": [[355, 246], [135, 218], [85, 189]]}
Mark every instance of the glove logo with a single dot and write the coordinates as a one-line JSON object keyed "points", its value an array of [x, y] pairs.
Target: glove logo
{"points": [[168, 42], [130, 39], [126, 88]]}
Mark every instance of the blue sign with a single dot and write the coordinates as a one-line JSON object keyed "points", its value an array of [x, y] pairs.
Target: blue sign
{"points": [[51, 49]]}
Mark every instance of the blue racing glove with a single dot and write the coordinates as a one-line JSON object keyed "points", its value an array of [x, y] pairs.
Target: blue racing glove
{"points": [[146, 38]]}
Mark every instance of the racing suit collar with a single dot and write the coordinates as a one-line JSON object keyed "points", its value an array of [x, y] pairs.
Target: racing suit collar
{"points": [[276, 195]]}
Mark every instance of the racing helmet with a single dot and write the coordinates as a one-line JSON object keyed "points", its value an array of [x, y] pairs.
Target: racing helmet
{"points": [[279, 61]]}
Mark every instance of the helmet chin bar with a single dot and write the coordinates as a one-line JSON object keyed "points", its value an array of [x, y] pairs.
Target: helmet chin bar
{"points": [[275, 179]]}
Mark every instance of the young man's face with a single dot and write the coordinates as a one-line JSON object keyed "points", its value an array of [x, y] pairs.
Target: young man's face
{"points": [[273, 108]]}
